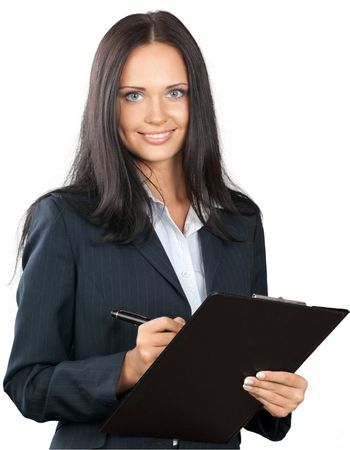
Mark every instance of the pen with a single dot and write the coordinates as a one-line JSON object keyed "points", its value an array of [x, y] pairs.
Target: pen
{"points": [[135, 319]]}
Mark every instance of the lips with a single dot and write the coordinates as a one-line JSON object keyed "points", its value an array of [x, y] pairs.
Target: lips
{"points": [[158, 132], [158, 137]]}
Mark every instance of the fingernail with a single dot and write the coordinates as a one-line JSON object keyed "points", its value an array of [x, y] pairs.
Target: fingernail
{"points": [[248, 381], [247, 388], [180, 320], [260, 375]]}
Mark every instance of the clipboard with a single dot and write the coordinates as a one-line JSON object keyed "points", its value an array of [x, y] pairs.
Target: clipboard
{"points": [[193, 390]]}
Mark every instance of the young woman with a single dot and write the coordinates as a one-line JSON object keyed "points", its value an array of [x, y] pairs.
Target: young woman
{"points": [[146, 223]]}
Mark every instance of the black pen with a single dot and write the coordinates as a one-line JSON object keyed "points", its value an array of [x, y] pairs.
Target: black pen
{"points": [[135, 319]]}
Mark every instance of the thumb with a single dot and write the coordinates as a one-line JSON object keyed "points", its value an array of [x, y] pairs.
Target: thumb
{"points": [[180, 320]]}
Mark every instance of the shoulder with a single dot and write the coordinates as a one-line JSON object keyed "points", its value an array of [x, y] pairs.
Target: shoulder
{"points": [[66, 202], [245, 205], [44, 209], [47, 209], [246, 218], [52, 212], [54, 221]]}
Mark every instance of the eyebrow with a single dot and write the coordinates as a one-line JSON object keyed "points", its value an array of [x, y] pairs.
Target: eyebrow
{"points": [[143, 89]]}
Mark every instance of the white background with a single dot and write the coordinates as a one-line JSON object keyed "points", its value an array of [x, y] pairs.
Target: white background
{"points": [[280, 76]]}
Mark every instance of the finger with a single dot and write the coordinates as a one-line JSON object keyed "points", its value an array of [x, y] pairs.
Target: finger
{"points": [[160, 324], [149, 354], [161, 339], [274, 410], [286, 378], [284, 391], [180, 320], [272, 397]]}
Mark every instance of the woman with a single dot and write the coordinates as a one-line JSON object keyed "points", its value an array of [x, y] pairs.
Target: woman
{"points": [[146, 223]]}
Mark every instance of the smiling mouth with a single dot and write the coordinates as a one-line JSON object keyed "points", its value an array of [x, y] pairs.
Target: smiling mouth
{"points": [[157, 138], [158, 134]]}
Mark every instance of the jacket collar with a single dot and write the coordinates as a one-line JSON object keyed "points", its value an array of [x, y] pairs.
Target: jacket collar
{"points": [[213, 251], [192, 224]]}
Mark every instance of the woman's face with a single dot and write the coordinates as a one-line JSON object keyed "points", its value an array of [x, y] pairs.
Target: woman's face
{"points": [[160, 106]]}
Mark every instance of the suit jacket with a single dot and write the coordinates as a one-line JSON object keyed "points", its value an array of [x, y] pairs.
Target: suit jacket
{"points": [[68, 351]]}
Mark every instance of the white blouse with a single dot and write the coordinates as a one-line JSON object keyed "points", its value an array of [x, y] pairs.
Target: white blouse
{"points": [[183, 249]]}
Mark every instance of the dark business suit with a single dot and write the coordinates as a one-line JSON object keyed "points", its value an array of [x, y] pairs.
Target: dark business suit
{"points": [[68, 351]]}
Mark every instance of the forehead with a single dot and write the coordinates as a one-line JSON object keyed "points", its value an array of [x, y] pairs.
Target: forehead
{"points": [[154, 64]]}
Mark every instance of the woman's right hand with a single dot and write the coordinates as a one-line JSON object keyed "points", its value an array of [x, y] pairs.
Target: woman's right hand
{"points": [[152, 338]]}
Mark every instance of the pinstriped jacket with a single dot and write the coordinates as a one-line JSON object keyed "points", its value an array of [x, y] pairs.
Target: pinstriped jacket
{"points": [[68, 352]]}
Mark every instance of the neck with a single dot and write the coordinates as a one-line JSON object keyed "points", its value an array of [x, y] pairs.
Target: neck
{"points": [[168, 177]]}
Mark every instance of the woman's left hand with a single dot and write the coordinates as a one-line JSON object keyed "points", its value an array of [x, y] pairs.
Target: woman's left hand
{"points": [[279, 392]]}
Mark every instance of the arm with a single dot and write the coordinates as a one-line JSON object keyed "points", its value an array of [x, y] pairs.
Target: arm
{"points": [[263, 422], [42, 379]]}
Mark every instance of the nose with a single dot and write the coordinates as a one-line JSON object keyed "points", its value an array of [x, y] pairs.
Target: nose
{"points": [[156, 113]]}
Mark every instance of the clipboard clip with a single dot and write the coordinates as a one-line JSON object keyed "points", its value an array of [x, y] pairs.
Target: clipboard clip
{"points": [[277, 299]]}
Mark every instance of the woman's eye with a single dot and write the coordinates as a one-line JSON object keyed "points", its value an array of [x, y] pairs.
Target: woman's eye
{"points": [[130, 96], [126, 96], [178, 90]]}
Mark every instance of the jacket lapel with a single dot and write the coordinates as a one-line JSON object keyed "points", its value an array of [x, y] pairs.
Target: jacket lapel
{"points": [[154, 252], [213, 251]]}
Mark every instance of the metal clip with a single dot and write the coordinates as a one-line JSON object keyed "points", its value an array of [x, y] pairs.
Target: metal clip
{"points": [[278, 299]]}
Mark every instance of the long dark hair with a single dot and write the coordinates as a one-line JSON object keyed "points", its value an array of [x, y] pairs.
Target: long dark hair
{"points": [[103, 185]]}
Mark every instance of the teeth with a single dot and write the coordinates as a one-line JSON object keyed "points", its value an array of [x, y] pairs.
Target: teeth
{"points": [[158, 136]]}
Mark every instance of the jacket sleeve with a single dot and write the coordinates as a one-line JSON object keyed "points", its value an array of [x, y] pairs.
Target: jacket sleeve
{"points": [[41, 378], [263, 422]]}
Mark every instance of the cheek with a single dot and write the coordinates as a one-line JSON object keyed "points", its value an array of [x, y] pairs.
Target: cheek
{"points": [[181, 115], [128, 125], [129, 116]]}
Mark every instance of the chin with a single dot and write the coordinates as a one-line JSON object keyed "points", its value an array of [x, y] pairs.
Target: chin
{"points": [[155, 155]]}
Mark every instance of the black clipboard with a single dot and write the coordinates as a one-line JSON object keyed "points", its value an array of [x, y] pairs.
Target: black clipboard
{"points": [[193, 390]]}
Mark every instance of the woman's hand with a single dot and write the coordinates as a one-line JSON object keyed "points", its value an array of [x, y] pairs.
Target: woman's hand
{"points": [[279, 392], [152, 338]]}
